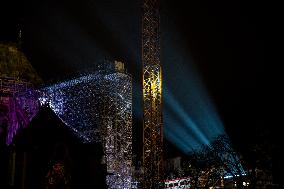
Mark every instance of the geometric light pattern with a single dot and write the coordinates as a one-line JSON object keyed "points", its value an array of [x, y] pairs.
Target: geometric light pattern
{"points": [[152, 96], [98, 107]]}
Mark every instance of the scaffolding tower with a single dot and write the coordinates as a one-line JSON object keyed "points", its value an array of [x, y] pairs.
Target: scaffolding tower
{"points": [[152, 96]]}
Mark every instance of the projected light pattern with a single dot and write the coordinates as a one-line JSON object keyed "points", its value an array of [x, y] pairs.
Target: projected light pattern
{"points": [[21, 100], [99, 108]]}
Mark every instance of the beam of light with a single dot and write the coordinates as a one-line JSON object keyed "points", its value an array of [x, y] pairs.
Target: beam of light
{"points": [[196, 121], [190, 117], [179, 111], [185, 97], [180, 139], [179, 134]]}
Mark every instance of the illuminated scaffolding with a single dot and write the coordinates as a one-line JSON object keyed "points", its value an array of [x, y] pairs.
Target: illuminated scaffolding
{"points": [[18, 96], [152, 96], [98, 107]]}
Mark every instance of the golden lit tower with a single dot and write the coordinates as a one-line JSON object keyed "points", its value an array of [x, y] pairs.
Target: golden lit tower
{"points": [[152, 96]]}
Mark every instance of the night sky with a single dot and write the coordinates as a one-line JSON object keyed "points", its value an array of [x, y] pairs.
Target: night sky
{"points": [[212, 52]]}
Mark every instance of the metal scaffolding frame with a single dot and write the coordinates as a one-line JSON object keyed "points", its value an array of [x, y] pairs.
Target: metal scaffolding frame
{"points": [[152, 96]]}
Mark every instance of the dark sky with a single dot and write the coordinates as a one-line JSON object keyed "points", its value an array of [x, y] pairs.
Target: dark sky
{"points": [[223, 40]]}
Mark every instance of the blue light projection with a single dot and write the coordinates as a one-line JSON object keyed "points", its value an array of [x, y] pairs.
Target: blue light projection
{"points": [[189, 128], [190, 118]]}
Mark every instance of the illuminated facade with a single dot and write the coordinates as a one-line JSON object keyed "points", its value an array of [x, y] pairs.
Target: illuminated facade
{"points": [[98, 107], [152, 96], [18, 97]]}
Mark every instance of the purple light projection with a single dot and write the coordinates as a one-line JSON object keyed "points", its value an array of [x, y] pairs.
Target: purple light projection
{"points": [[21, 102]]}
